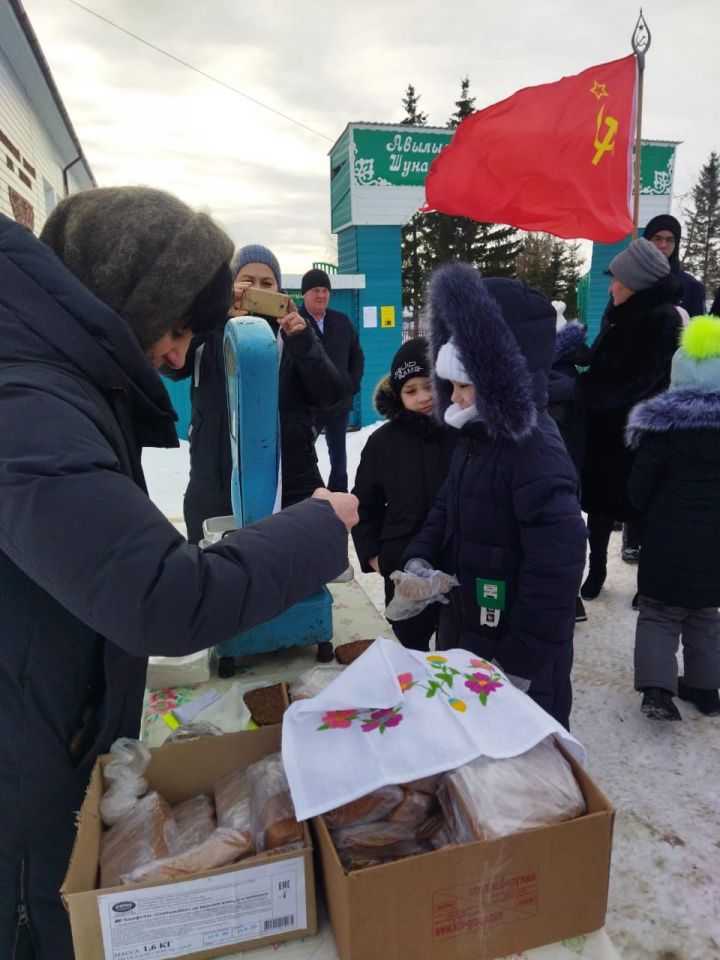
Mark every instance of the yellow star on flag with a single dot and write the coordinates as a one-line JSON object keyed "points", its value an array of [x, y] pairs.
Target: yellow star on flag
{"points": [[598, 89]]}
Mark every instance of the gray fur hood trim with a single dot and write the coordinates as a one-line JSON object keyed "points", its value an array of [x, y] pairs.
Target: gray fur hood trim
{"points": [[673, 410], [463, 309], [569, 338]]}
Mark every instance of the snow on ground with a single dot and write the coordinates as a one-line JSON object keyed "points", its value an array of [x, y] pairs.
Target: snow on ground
{"points": [[663, 778]]}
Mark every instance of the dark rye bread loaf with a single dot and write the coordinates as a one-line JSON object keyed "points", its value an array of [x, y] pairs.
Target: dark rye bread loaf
{"points": [[347, 652], [266, 704]]}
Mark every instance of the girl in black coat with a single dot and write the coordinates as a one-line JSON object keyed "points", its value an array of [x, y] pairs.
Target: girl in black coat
{"points": [[402, 467], [675, 481], [629, 362]]}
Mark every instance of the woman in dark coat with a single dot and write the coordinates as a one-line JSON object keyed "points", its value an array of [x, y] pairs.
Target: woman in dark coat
{"points": [[402, 467], [307, 380], [93, 578], [629, 362], [507, 520]]}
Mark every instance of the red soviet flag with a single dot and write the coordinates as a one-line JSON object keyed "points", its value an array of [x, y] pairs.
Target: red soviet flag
{"points": [[556, 158]]}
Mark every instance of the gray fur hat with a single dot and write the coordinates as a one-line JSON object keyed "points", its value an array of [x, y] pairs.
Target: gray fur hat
{"points": [[155, 261], [640, 265]]}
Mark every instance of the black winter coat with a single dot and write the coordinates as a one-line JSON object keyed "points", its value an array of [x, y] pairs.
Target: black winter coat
{"points": [[401, 470], [571, 352], [93, 578], [307, 379], [342, 344], [629, 362], [509, 509], [675, 482]]}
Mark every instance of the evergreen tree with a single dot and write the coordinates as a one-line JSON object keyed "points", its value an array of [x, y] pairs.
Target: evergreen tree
{"points": [[413, 116], [702, 249], [465, 105], [413, 256], [553, 267]]}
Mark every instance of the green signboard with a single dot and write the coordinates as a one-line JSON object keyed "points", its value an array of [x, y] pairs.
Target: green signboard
{"points": [[395, 158], [656, 169]]}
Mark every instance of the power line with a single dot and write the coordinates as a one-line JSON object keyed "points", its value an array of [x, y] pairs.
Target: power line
{"points": [[202, 73]]}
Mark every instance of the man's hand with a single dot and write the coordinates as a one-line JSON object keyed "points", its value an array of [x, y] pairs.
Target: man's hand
{"points": [[292, 323], [345, 505]]}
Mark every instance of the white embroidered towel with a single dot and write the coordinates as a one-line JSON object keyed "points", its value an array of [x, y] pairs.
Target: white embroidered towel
{"points": [[395, 715]]}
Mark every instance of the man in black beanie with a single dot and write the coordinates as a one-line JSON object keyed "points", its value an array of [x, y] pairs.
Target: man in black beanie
{"points": [[665, 232], [342, 344], [93, 578]]}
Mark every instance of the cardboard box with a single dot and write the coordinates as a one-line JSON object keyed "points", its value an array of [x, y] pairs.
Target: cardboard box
{"points": [[251, 903], [483, 900]]}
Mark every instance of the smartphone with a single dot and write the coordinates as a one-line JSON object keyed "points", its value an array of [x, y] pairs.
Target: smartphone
{"points": [[266, 303]]}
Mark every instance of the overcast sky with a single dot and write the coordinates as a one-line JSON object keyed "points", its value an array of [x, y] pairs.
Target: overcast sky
{"points": [[143, 118]]}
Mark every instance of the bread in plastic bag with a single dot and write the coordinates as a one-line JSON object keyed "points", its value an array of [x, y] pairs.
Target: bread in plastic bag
{"points": [[219, 849], [379, 840], [311, 682], [373, 806], [486, 799], [232, 802], [195, 819], [271, 806], [194, 730], [125, 773], [415, 591], [147, 833], [414, 809]]}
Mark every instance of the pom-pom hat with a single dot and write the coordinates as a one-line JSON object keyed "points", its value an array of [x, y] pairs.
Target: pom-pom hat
{"points": [[696, 365]]}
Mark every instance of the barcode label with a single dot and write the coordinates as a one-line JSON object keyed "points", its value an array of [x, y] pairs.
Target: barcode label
{"points": [[278, 922]]}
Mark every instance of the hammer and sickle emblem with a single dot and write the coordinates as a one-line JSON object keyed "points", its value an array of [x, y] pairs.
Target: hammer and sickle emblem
{"points": [[608, 141]]}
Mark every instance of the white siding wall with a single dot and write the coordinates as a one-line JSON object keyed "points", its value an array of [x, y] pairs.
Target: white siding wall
{"points": [[20, 124]]}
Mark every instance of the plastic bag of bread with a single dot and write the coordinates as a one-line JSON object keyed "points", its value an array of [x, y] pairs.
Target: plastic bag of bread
{"points": [[125, 773], [195, 819], [219, 849], [373, 806], [147, 833], [376, 841], [232, 802], [311, 682], [273, 814], [486, 799], [414, 809], [416, 586]]}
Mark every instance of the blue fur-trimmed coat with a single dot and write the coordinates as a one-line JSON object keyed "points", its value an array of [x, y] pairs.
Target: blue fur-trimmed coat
{"points": [[509, 509], [675, 482]]}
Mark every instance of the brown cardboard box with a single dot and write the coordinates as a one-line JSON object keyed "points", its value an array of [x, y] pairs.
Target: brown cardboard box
{"points": [[483, 900], [255, 901]]}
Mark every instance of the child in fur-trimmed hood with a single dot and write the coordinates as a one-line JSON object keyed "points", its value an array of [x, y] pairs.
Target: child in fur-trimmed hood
{"points": [[675, 481], [507, 522]]}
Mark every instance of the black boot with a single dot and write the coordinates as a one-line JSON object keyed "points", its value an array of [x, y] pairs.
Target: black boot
{"points": [[706, 701], [630, 550], [593, 581], [658, 704], [580, 615]]}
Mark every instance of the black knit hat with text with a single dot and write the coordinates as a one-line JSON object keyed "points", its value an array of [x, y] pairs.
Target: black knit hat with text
{"points": [[411, 360]]}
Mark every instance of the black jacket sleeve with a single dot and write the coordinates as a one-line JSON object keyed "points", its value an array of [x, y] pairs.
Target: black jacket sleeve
{"points": [[320, 376], [87, 535], [372, 505], [647, 470]]}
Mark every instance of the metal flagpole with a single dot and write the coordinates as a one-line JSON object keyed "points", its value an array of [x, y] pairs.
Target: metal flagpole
{"points": [[640, 44]]}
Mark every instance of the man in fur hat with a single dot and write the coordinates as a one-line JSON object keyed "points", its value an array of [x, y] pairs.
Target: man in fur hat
{"points": [[93, 578]]}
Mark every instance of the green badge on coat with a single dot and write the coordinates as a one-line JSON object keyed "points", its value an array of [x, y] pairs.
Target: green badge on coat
{"points": [[490, 593]]}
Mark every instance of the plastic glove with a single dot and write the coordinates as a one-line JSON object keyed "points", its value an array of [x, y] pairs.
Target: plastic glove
{"points": [[414, 591]]}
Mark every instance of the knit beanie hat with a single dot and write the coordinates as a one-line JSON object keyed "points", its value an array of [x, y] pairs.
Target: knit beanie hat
{"points": [[696, 365], [155, 261], [640, 265], [665, 221], [448, 365], [314, 278], [255, 253], [411, 360]]}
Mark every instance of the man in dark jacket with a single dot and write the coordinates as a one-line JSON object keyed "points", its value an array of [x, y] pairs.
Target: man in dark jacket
{"points": [[308, 380], [507, 521], [665, 232], [93, 578], [342, 344]]}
